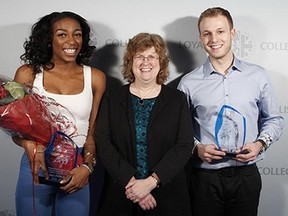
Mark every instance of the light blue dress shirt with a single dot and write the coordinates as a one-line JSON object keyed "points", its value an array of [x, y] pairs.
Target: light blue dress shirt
{"points": [[246, 88]]}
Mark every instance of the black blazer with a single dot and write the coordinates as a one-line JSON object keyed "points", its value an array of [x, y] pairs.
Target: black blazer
{"points": [[170, 142]]}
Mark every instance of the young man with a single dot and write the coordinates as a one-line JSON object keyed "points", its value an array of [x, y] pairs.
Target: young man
{"points": [[235, 118]]}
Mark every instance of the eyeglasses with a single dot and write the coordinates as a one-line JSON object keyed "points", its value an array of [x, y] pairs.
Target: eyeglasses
{"points": [[150, 58]]}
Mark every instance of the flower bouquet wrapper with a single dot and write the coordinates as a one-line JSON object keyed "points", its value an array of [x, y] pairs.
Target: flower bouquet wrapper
{"points": [[24, 113], [29, 115], [28, 118], [61, 156]]}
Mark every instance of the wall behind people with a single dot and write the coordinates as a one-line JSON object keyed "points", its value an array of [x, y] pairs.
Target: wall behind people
{"points": [[261, 39]]}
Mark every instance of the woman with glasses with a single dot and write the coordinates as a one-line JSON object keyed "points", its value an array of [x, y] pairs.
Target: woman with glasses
{"points": [[144, 136]]}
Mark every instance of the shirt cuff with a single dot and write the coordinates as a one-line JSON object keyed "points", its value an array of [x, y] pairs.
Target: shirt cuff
{"points": [[196, 142]]}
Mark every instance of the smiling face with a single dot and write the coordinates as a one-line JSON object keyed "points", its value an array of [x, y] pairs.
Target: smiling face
{"points": [[66, 40], [146, 66], [216, 36]]}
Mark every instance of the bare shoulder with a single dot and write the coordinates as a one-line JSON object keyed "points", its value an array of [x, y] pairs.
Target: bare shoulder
{"points": [[98, 79], [24, 74], [96, 73]]}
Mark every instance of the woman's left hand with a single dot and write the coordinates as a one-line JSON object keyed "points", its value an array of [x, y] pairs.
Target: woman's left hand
{"points": [[77, 179], [148, 202]]}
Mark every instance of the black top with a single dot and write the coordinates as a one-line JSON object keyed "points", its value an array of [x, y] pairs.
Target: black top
{"points": [[169, 146]]}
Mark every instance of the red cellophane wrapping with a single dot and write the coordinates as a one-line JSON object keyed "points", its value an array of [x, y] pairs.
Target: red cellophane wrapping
{"points": [[26, 114], [28, 118]]}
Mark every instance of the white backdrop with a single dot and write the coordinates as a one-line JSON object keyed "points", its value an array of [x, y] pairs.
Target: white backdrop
{"points": [[262, 39]]}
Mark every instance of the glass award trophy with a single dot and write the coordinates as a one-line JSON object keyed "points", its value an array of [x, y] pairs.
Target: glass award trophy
{"points": [[230, 130], [61, 156]]}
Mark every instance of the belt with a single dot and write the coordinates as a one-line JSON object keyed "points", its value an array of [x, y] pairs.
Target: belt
{"points": [[231, 171]]}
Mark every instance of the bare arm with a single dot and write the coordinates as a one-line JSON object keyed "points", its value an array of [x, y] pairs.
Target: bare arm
{"points": [[80, 174], [35, 154], [98, 85], [24, 75]]}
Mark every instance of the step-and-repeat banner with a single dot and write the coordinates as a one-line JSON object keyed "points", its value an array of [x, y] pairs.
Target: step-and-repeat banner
{"points": [[261, 39]]}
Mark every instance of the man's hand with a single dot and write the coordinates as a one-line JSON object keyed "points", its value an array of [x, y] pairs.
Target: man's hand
{"points": [[253, 148], [209, 152]]}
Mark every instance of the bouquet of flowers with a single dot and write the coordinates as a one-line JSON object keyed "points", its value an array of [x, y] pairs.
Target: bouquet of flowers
{"points": [[26, 114], [23, 113]]}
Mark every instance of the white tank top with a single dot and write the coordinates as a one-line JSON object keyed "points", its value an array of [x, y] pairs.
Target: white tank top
{"points": [[79, 105]]}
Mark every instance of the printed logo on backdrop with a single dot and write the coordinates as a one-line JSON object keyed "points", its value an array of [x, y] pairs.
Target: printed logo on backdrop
{"points": [[95, 40], [191, 44], [273, 45], [7, 213], [243, 45], [283, 109], [273, 171], [116, 42]]}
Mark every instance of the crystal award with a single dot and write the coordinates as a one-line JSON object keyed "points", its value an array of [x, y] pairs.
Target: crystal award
{"points": [[230, 129], [61, 156]]}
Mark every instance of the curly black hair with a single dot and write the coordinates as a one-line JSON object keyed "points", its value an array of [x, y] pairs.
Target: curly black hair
{"points": [[38, 48]]}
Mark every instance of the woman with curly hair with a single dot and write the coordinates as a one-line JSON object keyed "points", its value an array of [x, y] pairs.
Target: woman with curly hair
{"points": [[144, 137], [55, 62]]}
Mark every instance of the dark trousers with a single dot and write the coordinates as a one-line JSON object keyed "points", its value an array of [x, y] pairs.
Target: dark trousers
{"points": [[231, 191]]}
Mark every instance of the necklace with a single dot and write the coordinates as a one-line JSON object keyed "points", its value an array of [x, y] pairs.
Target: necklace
{"points": [[142, 97]]}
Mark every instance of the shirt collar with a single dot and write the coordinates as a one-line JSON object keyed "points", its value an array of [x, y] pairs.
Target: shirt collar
{"points": [[208, 68]]}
